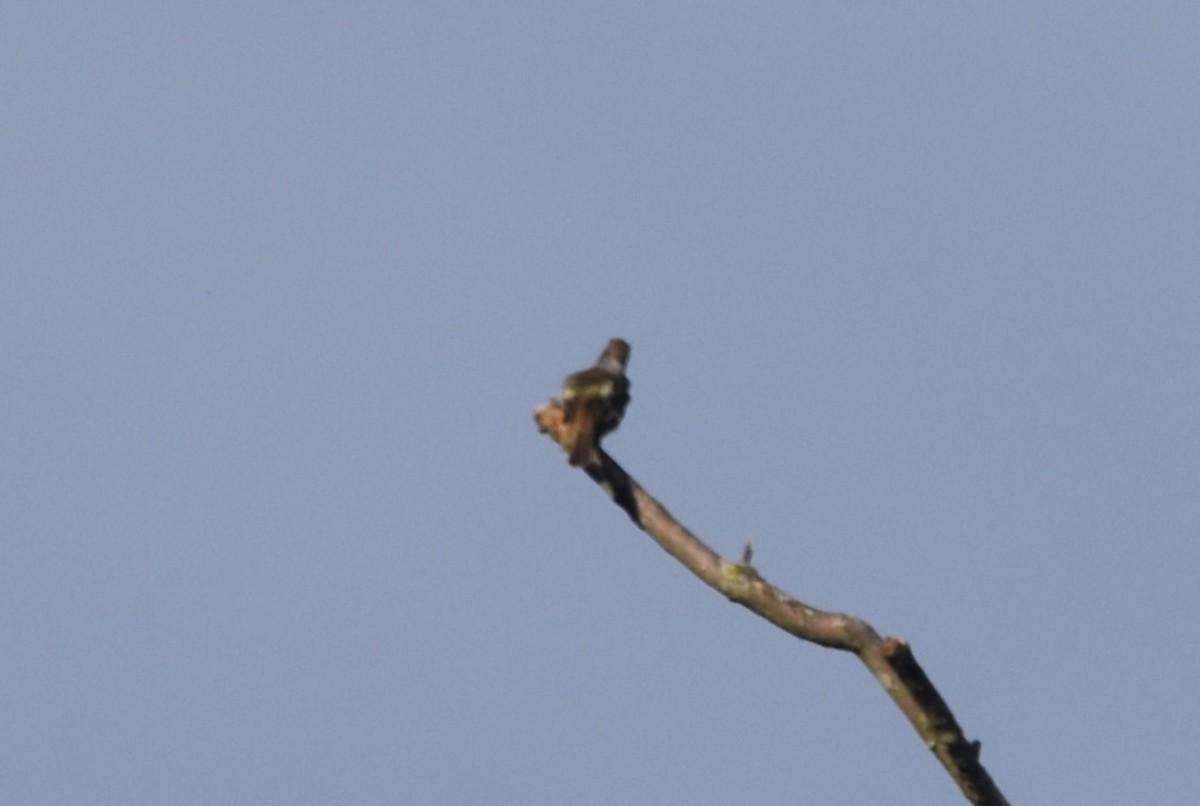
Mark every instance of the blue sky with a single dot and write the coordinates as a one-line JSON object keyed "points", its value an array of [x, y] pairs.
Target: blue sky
{"points": [[912, 293]]}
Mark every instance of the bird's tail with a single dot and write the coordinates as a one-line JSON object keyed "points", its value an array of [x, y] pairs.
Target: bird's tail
{"points": [[584, 448]]}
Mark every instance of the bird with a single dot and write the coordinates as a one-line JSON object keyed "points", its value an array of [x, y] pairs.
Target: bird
{"points": [[594, 401]]}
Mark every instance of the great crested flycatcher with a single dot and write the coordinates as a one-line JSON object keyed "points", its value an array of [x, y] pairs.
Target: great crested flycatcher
{"points": [[594, 401]]}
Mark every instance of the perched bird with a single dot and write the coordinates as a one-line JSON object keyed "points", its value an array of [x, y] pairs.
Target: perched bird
{"points": [[594, 400]]}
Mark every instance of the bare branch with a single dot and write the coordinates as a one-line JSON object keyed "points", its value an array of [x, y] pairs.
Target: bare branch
{"points": [[890, 660]]}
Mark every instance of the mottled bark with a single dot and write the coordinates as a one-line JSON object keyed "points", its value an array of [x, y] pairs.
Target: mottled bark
{"points": [[890, 660]]}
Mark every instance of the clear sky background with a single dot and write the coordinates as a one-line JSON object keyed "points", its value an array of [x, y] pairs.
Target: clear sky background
{"points": [[913, 293]]}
